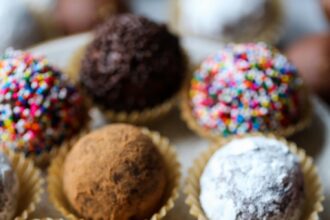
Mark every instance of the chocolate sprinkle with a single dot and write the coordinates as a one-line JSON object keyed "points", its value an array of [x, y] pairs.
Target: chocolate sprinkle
{"points": [[132, 64]]}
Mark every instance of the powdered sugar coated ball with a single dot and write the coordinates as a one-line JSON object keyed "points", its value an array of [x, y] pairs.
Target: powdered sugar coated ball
{"points": [[252, 178]]}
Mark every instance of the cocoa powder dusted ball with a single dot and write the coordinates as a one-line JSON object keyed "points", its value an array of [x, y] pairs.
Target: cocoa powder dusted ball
{"points": [[311, 55], [114, 173], [132, 64], [253, 178]]}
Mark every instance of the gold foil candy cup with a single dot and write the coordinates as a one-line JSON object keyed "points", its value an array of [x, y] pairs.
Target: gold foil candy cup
{"points": [[30, 183]]}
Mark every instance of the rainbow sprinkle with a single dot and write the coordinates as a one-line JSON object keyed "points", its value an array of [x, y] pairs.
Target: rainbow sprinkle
{"points": [[38, 108], [246, 88]]}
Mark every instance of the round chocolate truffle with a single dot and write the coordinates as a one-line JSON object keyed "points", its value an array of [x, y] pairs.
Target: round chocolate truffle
{"points": [[39, 108], [113, 173], [311, 56], [252, 178], [8, 189], [132, 64], [246, 88]]}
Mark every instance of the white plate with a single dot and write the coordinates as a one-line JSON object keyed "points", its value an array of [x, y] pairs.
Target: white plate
{"points": [[316, 139]]}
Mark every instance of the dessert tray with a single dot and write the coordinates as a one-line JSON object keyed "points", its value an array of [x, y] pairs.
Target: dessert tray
{"points": [[315, 139]]}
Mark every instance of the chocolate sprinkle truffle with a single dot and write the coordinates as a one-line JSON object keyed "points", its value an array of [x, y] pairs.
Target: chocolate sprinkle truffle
{"points": [[114, 173], [252, 178], [8, 189], [39, 108], [132, 64]]}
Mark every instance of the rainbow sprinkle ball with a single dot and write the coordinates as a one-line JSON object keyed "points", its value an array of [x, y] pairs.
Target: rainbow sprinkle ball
{"points": [[246, 88], [38, 107]]}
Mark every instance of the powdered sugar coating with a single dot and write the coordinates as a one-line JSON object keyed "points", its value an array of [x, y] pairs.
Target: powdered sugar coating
{"points": [[8, 189], [252, 178]]}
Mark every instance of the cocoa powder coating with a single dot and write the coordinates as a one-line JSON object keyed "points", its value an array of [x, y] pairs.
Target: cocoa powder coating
{"points": [[114, 173]]}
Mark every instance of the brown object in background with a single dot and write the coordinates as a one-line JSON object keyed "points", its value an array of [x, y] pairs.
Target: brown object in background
{"points": [[311, 55], [115, 172], [73, 16], [326, 7]]}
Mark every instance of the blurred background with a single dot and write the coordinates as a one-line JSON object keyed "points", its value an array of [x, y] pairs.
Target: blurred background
{"points": [[27, 22]]}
